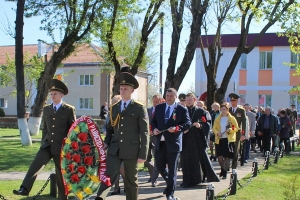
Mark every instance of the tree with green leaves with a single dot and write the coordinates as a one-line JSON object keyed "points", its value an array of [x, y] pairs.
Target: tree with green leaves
{"points": [[282, 12], [120, 52], [75, 20]]}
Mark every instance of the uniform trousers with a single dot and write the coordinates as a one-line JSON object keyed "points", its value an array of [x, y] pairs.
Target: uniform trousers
{"points": [[236, 151], [113, 163], [41, 159]]}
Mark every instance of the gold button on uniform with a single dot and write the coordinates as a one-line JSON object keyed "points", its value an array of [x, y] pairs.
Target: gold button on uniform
{"points": [[51, 140], [52, 133], [121, 133], [121, 124], [122, 117], [121, 140], [53, 118], [52, 125]]}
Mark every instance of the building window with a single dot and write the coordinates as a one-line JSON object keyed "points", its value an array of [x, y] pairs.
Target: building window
{"points": [[265, 60], [264, 100], [86, 103], [294, 60], [244, 61], [242, 99], [86, 79], [3, 103]]}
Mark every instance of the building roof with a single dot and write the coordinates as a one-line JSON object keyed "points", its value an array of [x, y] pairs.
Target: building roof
{"points": [[232, 40], [85, 53]]}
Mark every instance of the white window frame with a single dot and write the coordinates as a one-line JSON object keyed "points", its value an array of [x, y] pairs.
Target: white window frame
{"points": [[3, 103], [243, 61], [86, 103], [264, 60], [83, 77], [267, 100]]}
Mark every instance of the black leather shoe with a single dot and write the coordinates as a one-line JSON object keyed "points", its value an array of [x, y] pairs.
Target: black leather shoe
{"points": [[116, 191], [98, 198], [149, 180], [165, 191], [22, 191]]}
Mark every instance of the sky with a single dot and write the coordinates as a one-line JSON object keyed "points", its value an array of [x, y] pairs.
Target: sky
{"points": [[32, 34]]}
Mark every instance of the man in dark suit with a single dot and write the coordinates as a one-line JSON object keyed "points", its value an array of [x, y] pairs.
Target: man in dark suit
{"points": [[169, 122], [127, 138], [57, 119], [267, 127], [240, 115], [153, 171]]}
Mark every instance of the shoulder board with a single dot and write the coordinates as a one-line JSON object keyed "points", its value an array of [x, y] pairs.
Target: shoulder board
{"points": [[69, 105], [241, 107], [138, 102], [46, 105]]}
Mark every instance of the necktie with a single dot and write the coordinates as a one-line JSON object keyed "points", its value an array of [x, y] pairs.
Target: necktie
{"points": [[124, 106], [54, 108], [167, 114]]}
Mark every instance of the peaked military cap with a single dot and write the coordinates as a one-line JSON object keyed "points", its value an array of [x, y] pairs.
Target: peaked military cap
{"points": [[293, 105], [233, 96], [181, 97], [58, 86], [127, 79]]}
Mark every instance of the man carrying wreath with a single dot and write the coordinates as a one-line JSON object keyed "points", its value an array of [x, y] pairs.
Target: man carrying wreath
{"points": [[57, 119], [127, 139]]}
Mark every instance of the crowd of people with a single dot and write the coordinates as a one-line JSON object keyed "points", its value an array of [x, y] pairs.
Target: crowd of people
{"points": [[166, 137]]}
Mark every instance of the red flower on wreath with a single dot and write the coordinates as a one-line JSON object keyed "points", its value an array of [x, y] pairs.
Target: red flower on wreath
{"points": [[68, 156], [82, 137], [71, 167], [203, 119], [75, 178], [88, 160], [81, 169], [86, 149], [76, 158], [74, 146], [232, 127]]}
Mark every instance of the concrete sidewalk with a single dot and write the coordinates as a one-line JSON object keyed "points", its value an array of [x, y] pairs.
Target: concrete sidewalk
{"points": [[146, 192]]}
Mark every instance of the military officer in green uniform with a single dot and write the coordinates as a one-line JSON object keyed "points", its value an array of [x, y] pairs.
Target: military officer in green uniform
{"points": [[57, 119], [240, 115], [127, 138]]}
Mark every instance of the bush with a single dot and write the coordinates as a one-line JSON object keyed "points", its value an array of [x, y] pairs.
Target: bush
{"points": [[2, 113]]}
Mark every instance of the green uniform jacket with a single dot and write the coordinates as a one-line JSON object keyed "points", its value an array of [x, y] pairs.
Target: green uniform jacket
{"points": [[240, 116], [127, 132], [56, 126]]}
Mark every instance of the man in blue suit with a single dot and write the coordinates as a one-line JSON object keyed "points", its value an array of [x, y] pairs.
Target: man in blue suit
{"points": [[169, 122]]}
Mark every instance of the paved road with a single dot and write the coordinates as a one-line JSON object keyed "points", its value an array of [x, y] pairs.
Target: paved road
{"points": [[147, 192]]}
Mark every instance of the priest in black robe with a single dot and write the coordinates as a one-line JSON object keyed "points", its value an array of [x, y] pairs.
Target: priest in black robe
{"points": [[196, 165]]}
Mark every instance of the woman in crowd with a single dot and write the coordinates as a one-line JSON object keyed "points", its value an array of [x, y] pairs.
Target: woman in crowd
{"points": [[214, 114], [286, 127], [225, 128]]}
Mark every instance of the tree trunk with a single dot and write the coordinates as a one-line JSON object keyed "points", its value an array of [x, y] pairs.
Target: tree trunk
{"points": [[22, 121], [220, 93], [64, 50], [211, 87]]}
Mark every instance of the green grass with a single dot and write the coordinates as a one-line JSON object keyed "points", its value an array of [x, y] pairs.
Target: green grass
{"points": [[271, 183], [6, 188], [14, 133], [15, 157]]}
